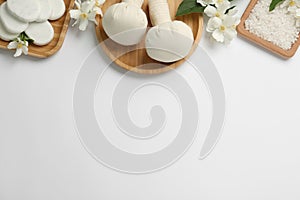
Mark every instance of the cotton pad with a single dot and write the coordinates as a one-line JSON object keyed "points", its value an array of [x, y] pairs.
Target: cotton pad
{"points": [[5, 35], [41, 32], [58, 9], [46, 10], [24, 10], [11, 23]]}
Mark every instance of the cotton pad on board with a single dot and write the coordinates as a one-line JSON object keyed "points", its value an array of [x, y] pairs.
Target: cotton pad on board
{"points": [[58, 9], [11, 23], [46, 10], [6, 36], [41, 32], [27, 11]]}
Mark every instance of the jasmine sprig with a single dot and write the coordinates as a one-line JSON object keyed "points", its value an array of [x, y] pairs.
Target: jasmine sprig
{"points": [[197, 6], [86, 11], [20, 44], [292, 7], [222, 20]]}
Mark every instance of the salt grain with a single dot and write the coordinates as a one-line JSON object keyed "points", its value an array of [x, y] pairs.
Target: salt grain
{"points": [[277, 26]]}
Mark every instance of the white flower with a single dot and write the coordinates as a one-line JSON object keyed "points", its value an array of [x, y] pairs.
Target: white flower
{"points": [[218, 10], [292, 5], [20, 46], [223, 30], [206, 2], [83, 14], [218, 3], [97, 7]]}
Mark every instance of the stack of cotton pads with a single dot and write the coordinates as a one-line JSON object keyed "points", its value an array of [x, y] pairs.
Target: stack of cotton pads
{"points": [[31, 17]]}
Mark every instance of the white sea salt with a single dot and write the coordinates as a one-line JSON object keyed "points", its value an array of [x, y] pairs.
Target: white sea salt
{"points": [[278, 26]]}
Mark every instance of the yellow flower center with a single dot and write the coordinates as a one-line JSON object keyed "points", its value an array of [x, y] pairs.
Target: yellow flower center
{"points": [[222, 28], [220, 1], [218, 14], [83, 15], [19, 45], [292, 3]]}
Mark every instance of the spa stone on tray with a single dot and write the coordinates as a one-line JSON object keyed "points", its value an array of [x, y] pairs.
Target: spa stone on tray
{"points": [[24, 10], [41, 32], [5, 35], [10, 23], [58, 9], [45, 10]]}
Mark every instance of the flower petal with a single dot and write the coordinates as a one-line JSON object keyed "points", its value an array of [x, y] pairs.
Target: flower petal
{"points": [[92, 17], [83, 24], [75, 14], [18, 52], [210, 11], [222, 8], [98, 11], [230, 21], [12, 45], [232, 12], [25, 50], [100, 2], [213, 24], [87, 6], [292, 9], [78, 4], [284, 4], [230, 34], [218, 36], [297, 14]]}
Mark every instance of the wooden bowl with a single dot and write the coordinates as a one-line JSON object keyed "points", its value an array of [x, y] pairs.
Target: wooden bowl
{"points": [[261, 42], [136, 58], [60, 29]]}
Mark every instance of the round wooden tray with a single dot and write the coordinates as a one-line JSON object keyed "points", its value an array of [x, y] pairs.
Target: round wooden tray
{"points": [[136, 59]]}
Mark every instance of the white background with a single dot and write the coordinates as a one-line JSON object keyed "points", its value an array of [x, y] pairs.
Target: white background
{"points": [[258, 156]]}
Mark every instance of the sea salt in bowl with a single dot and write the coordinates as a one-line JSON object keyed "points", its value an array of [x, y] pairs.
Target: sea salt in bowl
{"points": [[275, 30]]}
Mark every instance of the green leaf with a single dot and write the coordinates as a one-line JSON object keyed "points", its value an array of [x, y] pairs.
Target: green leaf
{"points": [[24, 37], [188, 7], [274, 3]]}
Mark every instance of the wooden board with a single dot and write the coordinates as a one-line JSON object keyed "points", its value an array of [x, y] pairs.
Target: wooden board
{"points": [[60, 29], [137, 59], [261, 42]]}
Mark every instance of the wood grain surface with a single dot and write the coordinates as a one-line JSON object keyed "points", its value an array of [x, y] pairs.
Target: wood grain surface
{"points": [[261, 42], [136, 58], [60, 29]]}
